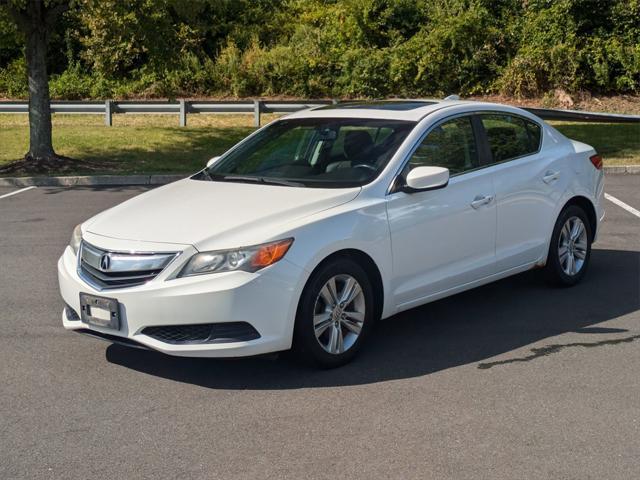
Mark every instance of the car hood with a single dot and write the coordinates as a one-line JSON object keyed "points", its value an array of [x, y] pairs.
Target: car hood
{"points": [[199, 212]]}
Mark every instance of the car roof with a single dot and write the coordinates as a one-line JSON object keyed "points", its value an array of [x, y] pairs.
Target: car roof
{"points": [[410, 110], [392, 105]]}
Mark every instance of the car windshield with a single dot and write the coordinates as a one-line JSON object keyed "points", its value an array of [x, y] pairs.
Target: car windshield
{"points": [[313, 152]]}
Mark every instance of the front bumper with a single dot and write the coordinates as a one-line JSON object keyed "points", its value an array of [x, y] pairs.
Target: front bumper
{"points": [[267, 300]]}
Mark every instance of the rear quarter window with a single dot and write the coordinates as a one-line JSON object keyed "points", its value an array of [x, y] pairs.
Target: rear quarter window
{"points": [[510, 136]]}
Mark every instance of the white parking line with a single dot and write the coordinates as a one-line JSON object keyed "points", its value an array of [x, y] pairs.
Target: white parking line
{"points": [[621, 204], [16, 192]]}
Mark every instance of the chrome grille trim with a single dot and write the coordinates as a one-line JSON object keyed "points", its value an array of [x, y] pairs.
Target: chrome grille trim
{"points": [[123, 269]]}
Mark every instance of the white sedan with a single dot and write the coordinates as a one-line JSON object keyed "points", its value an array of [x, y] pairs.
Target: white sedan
{"points": [[318, 225]]}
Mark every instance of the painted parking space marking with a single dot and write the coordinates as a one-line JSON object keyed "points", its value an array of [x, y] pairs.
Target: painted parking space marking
{"points": [[623, 205], [17, 192]]}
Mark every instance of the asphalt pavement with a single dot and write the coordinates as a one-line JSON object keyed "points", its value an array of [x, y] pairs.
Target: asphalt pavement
{"points": [[510, 380]]}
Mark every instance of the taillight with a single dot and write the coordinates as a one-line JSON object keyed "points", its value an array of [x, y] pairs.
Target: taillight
{"points": [[597, 161]]}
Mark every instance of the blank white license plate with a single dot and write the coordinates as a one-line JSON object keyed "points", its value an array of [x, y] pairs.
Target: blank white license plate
{"points": [[100, 311]]}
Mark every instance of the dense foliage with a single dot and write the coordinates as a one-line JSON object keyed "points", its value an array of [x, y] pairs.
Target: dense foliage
{"points": [[349, 48]]}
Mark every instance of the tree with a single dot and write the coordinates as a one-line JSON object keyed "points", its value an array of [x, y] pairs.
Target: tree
{"points": [[35, 20]]}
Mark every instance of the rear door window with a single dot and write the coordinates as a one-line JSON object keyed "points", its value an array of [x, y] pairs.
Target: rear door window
{"points": [[510, 136]]}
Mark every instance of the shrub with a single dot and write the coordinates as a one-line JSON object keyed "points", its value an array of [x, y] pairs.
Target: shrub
{"points": [[72, 84], [346, 48], [13, 80], [228, 72], [453, 53], [364, 73], [547, 57]]}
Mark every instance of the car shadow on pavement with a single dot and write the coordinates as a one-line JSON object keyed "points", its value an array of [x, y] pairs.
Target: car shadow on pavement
{"points": [[467, 328]]}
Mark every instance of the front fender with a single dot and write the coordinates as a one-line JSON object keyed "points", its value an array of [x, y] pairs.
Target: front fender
{"points": [[361, 225]]}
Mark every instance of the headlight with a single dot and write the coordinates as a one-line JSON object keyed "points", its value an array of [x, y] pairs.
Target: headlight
{"points": [[76, 238], [248, 259]]}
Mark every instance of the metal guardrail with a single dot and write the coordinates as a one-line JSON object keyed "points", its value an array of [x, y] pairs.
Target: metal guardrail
{"points": [[257, 107], [580, 116], [181, 107]]}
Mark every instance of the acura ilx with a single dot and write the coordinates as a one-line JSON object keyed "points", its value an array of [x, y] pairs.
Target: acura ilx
{"points": [[320, 224]]}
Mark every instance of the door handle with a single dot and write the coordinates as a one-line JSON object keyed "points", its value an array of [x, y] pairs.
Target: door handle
{"points": [[550, 176], [481, 200]]}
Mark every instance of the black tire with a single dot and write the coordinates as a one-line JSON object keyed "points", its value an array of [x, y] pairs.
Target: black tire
{"points": [[305, 344], [554, 270]]}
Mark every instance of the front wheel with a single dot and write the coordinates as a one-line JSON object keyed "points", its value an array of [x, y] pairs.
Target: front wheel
{"points": [[335, 314], [570, 248]]}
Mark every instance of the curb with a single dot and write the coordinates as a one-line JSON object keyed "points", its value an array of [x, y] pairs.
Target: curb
{"points": [[90, 181], [623, 169], [120, 180]]}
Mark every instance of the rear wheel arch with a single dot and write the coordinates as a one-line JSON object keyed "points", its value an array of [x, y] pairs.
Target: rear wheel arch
{"points": [[587, 206], [569, 252]]}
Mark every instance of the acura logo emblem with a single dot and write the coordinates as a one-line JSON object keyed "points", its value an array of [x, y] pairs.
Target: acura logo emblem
{"points": [[105, 262]]}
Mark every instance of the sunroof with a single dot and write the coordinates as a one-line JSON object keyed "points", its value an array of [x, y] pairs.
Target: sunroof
{"points": [[398, 105]]}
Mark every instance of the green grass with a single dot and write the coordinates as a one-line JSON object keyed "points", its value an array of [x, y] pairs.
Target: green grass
{"points": [[619, 144], [135, 144], [155, 144]]}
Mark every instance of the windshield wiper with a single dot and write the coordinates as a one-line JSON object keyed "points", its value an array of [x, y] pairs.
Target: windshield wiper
{"points": [[240, 178], [264, 180], [205, 172], [281, 181]]}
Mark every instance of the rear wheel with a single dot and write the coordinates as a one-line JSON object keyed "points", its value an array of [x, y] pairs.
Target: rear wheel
{"points": [[570, 248], [335, 314]]}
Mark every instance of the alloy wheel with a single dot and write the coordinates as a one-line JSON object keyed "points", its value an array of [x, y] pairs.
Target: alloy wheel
{"points": [[339, 314], [572, 246]]}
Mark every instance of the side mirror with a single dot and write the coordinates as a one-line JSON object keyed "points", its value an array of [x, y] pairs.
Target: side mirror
{"points": [[426, 178], [212, 161]]}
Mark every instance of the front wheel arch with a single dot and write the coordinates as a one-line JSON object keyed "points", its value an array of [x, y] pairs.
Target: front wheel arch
{"points": [[369, 266], [307, 343]]}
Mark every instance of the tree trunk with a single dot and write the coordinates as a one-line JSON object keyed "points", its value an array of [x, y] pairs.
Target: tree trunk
{"points": [[40, 142]]}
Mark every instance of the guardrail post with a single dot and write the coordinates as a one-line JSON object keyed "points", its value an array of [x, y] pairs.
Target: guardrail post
{"points": [[334, 101], [183, 113], [108, 113], [257, 106]]}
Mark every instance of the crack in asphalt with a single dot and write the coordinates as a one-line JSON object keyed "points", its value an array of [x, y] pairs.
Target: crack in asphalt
{"points": [[555, 348]]}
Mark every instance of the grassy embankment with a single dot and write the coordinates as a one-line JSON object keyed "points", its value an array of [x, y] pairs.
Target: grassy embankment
{"points": [[155, 144]]}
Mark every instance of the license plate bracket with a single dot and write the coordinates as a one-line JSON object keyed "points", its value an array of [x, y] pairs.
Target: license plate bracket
{"points": [[100, 311]]}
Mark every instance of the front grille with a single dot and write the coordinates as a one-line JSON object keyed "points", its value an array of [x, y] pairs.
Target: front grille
{"points": [[203, 333], [109, 269]]}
